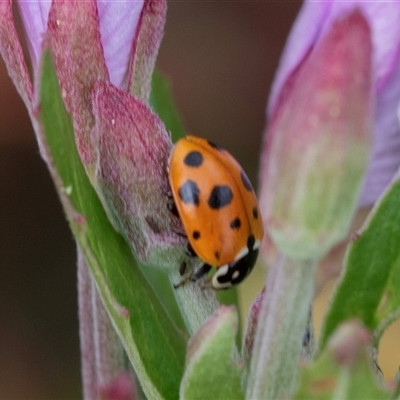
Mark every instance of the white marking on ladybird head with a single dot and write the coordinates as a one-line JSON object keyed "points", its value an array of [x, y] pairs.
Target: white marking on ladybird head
{"points": [[235, 275], [256, 245]]}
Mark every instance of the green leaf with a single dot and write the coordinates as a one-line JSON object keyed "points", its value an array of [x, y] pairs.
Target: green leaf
{"points": [[163, 106], [153, 344], [342, 371], [161, 285], [370, 286], [210, 370]]}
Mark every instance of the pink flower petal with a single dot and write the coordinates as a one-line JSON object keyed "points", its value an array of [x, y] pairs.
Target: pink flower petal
{"points": [[385, 160], [118, 25], [34, 15]]}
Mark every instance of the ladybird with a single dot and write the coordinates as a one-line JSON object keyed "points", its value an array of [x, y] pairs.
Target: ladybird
{"points": [[218, 207]]}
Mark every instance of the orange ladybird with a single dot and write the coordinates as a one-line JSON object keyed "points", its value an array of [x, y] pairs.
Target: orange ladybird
{"points": [[218, 208]]}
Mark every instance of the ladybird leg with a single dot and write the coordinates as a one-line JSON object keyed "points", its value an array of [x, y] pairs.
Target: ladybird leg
{"points": [[172, 207], [190, 252], [182, 271], [179, 233], [203, 270], [170, 203], [182, 281]]}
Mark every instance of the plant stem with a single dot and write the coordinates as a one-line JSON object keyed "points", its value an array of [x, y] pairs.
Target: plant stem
{"points": [[102, 354], [281, 326], [86, 328], [195, 302]]}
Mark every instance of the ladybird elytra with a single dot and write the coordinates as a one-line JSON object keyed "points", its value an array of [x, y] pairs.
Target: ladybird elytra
{"points": [[217, 206]]}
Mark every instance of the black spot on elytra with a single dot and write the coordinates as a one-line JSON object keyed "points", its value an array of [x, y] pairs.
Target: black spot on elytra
{"points": [[203, 270], [189, 193], [250, 242], [220, 197], [215, 146], [193, 159], [196, 235], [255, 213], [246, 181], [235, 224], [217, 255]]}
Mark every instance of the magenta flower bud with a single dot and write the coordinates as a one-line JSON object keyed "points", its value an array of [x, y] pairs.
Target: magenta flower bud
{"points": [[131, 175], [318, 143], [314, 20]]}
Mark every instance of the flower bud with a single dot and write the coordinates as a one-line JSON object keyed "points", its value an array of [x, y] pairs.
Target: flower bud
{"points": [[123, 387], [209, 358], [131, 174], [318, 143], [348, 340]]}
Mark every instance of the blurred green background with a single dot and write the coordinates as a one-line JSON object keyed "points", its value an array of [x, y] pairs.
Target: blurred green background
{"points": [[220, 58]]}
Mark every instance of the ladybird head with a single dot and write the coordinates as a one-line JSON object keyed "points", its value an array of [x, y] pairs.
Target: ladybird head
{"points": [[232, 274]]}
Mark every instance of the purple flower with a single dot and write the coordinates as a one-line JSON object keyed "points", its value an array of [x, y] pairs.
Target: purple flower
{"points": [[314, 20], [118, 24]]}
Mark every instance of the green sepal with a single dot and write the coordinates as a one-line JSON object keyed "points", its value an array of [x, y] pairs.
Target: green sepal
{"points": [[154, 345], [369, 287], [230, 297], [211, 371]]}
